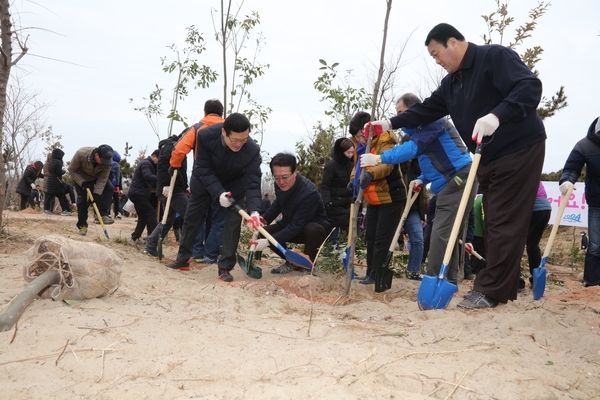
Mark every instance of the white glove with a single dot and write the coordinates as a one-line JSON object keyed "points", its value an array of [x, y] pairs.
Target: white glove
{"points": [[564, 187], [417, 185], [224, 199], [485, 126], [32, 186], [386, 125], [166, 190], [369, 160], [260, 244]]}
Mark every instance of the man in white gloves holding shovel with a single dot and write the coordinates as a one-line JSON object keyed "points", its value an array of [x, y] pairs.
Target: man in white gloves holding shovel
{"points": [[227, 167], [490, 91], [586, 153]]}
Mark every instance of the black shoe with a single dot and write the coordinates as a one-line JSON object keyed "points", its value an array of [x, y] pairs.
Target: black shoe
{"points": [[414, 276], [476, 300], [367, 281], [282, 269], [181, 265], [225, 276], [361, 278]]}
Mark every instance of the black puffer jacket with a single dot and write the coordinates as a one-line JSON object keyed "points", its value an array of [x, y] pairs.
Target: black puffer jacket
{"points": [[55, 173], [144, 178], [32, 172], [162, 168], [336, 196]]}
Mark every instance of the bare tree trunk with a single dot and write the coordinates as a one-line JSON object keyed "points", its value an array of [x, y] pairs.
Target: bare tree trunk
{"points": [[356, 207], [5, 64]]}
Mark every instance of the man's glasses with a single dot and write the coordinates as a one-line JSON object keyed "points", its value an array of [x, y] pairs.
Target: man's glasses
{"points": [[282, 178], [238, 141]]}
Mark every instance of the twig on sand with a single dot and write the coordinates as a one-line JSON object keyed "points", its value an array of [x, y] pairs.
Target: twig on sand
{"points": [[456, 386], [61, 353], [310, 281], [42, 357], [356, 365]]}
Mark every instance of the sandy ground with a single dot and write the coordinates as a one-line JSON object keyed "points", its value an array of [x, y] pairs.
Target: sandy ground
{"points": [[174, 335]]}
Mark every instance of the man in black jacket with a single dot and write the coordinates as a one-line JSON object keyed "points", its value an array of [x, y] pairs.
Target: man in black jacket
{"points": [[303, 214], [227, 165], [489, 90]]}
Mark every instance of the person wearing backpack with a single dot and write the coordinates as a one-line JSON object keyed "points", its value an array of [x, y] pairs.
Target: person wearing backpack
{"points": [[117, 182]]}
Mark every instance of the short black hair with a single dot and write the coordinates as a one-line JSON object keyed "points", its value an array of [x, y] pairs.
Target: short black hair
{"points": [[409, 99], [283, 160], [155, 153], [236, 122], [213, 106], [442, 32], [358, 122]]}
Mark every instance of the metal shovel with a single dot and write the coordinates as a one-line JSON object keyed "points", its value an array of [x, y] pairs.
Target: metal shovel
{"points": [[539, 273], [246, 265], [436, 292]]}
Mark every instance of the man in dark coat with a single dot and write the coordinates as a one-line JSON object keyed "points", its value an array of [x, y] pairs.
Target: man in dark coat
{"points": [[587, 152], [89, 168], [304, 219], [227, 167], [140, 190]]}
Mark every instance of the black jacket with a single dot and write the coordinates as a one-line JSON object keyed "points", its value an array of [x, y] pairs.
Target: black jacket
{"points": [[218, 169], [29, 177], [300, 205], [144, 178], [334, 186], [162, 167], [586, 152], [55, 173]]}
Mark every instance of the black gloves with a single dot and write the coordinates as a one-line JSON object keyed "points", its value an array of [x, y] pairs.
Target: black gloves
{"points": [[365, 179]]}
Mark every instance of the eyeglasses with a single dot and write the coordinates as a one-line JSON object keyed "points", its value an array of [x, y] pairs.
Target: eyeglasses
{"points": [[238, 141], [282, 178]]}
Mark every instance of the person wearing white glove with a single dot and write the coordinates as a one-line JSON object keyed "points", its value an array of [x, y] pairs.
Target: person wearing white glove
{"points": [[166, 190], [33, 186], [564, 187], [255, 221], [226, 168], [370, 160], [485, 126], [225, 199], [260, 244], [483, 98], [585, 155], [416, 185], [27, 183]]}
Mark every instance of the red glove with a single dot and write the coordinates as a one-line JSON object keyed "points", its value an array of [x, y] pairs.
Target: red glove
{"points": [[377, 129], [255, 221], [417, 185], [469, 248]]}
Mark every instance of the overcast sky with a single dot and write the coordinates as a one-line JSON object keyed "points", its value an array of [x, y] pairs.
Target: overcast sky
{"points": [[111, 50]]}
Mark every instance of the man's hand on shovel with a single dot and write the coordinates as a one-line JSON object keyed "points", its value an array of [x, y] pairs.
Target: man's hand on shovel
{"points": [[255, 221], [259, 244]]}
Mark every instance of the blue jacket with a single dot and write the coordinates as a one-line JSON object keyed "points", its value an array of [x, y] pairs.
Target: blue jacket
{"points": [[440, 151], [493, 79], [586, 152]]}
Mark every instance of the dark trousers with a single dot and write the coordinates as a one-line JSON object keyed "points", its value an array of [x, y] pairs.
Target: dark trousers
{"points": [[116, 203], [509, 185], [146, 215], [382, 221], [49, 201], [313, 235], [179, 203], [83, 202], [539, 221], [479, 246]]}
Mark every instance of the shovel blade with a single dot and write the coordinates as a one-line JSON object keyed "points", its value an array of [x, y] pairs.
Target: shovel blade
{"points": [[539, 280], [297, 259], [347, 261], [435, 293], [249, 269], [383, 279]]}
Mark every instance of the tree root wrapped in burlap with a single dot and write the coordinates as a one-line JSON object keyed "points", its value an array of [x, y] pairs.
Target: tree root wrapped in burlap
{"points": [[88, 270]]}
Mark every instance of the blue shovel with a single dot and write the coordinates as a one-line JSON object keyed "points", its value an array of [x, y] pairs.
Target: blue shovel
{"points": [[436, 292], [290, 256], [539, 273]]}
